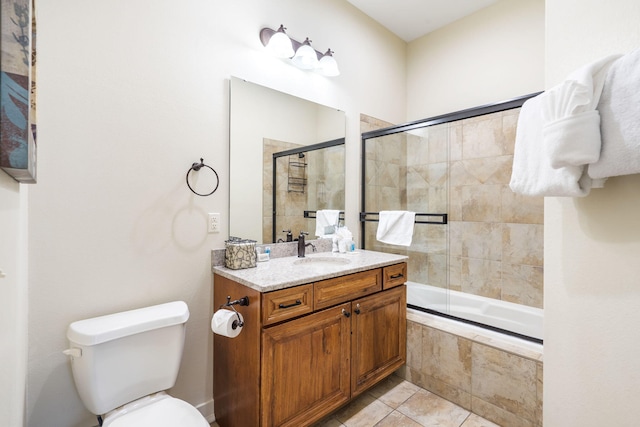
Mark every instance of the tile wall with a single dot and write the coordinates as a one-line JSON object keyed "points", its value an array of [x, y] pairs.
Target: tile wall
{"points": [[493, 245], [502, 383], [495, 250], [496, 242]]}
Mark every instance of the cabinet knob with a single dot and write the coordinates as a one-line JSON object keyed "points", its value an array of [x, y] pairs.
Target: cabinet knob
{"points": [[357, 310], [346, 313]]}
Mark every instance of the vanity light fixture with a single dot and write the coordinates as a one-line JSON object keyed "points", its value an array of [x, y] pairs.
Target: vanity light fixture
{"points": [[327, 66], [278, 43], [306, 57], [302, 55]]}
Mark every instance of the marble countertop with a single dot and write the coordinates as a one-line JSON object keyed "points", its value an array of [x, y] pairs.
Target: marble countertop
{"points": [[280, 273]]}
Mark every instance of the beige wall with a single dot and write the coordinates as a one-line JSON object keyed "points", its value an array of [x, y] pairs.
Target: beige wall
{"points": [[592, 246], [122, 116], [131, 94], [13, 300], [491, 56]]}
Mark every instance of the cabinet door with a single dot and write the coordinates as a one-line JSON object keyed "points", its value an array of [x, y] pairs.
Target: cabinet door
{"points": [[305, 367], [378, 341]]}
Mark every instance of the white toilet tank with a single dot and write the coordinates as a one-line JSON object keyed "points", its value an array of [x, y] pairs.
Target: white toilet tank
{"points": [[124, 356]]}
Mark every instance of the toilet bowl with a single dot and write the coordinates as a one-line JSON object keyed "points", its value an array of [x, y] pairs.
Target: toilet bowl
{"points": [[158, 410], [123, 363]]}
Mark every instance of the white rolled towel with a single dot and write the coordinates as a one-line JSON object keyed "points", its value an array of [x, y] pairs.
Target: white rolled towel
{"points": [[571, 123], [532, 174], [620, 120]]}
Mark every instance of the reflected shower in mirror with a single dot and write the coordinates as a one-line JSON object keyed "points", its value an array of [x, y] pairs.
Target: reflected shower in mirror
{"points": [[266, 125], [306, 179]]}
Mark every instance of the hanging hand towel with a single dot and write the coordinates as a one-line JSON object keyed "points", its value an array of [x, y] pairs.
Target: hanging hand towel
{"points": [[326, 218], [571, 123], [620, 124], [532, 174], [396, 227]]}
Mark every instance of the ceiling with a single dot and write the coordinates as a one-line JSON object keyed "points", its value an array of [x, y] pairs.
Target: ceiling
{"points": [[411, 19]]}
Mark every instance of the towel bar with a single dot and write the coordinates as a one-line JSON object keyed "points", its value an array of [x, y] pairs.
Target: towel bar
{"points": [[442, 218], [312, 214]]}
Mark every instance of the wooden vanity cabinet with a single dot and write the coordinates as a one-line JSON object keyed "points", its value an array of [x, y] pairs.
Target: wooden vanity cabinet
{"points": [[310, 363], [305, 366], [378, 337]]}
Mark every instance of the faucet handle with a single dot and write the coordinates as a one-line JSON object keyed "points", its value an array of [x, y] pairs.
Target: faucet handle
{"points": [[302, 233]]}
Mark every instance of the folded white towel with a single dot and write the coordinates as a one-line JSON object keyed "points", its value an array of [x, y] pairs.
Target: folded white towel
{"points": [[532, 174], [620, 119], [571, 124], [325, 218], [396, 227]]}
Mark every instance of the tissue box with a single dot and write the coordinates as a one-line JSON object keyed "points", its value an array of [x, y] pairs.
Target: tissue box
{"points": [[240, 253]]}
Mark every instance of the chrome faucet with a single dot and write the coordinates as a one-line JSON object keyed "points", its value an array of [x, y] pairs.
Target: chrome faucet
{"points": [[302, 245]]}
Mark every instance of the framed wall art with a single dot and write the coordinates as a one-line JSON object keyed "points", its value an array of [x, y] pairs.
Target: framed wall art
{"points": [[17, 89]]}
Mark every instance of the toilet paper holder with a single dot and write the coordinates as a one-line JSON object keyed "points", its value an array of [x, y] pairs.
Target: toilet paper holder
{"points": [[244, 301]]}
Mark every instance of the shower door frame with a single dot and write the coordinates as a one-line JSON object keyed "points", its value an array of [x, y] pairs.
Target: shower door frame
{"points": [[417, 124]]}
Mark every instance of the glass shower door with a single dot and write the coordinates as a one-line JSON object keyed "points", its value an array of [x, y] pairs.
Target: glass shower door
{"points": [[409, 170]]}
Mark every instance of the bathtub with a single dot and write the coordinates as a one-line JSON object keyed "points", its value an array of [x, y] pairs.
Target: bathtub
{"points": [[512, 318]]}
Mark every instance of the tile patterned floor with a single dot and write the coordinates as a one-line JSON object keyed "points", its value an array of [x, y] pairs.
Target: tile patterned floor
{"points": [[398, 403]]}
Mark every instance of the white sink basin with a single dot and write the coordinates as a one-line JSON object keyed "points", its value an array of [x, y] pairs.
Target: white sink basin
{"points": [[326, 260]]}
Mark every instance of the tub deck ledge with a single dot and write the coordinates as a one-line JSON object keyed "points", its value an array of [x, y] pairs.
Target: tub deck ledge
{"points": [[507, 343]]}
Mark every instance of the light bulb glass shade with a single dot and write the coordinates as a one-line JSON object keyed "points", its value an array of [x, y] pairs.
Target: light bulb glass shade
{"points": [[280, 45], [327, 66], [305, 57]]}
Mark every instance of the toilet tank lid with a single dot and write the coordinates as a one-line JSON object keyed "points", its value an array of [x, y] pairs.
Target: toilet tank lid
{"points": [[112, 326]]}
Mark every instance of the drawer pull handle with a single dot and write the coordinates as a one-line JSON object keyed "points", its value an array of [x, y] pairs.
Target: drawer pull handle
{"points": [[298, 302], [346, 313], [397, 276], [357, 310]]}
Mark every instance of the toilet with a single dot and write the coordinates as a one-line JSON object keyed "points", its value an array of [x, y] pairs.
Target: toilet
{"points": [[122, 364]]}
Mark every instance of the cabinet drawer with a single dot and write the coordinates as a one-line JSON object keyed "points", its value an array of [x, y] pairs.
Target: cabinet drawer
{"points": [[335, 291], [286, 304], [394, 275]]}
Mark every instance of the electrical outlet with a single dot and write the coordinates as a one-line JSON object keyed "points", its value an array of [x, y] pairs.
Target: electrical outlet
{"points": [[214, 223]]}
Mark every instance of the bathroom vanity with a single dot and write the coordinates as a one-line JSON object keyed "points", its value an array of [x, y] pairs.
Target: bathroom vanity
{"points": [[318, 331]]}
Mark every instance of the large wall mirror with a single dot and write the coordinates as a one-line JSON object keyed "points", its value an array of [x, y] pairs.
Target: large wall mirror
{"points": [[286, 162]]}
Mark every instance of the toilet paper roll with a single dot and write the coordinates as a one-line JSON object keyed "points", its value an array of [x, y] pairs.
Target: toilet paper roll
{"points": [[222, 323]]}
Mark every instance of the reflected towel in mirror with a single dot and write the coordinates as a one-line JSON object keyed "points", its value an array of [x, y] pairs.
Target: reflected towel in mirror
{"points": [[326, 218]]}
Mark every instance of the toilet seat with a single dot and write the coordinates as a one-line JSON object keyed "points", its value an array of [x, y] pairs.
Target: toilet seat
{"points": [[158, 410]]}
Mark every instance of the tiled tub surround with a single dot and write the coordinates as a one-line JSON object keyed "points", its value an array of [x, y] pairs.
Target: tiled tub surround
{"points": [[489, 374], [493, 244]]}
